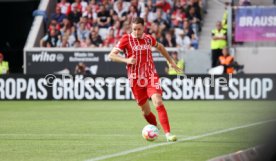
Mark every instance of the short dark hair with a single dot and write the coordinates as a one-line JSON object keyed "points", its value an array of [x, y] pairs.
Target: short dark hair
{"points": [[138, 20]]}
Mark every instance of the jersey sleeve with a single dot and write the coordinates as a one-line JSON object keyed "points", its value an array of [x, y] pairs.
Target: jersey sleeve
{"points": [[153, 41], [121, 45]]}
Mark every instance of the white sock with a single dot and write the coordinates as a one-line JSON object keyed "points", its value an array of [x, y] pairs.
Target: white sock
{"points": [[167, 134]]}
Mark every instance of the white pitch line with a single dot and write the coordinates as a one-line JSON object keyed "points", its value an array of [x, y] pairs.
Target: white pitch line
{"points": [[180, 140]]}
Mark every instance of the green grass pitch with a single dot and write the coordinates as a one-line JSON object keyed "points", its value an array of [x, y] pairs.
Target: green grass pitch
{"points": [[83, 130]]}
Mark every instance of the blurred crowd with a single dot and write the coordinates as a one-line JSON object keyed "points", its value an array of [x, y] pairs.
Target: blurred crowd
{"points": [[100, 23]]}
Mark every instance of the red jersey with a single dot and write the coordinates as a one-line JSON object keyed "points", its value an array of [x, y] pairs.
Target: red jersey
{"points": [[141, 49]]}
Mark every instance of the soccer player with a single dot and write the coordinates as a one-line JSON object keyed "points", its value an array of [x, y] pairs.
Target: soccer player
{"points": [[144, 80]]}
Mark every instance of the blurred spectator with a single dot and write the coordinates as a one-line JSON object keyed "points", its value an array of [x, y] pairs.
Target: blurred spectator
{"points": [[80, 4], [160, 20], [110, 39], [54, 25], [70, 33], [4, 65], [86, 43], [183, 41], [149, 15], [179, 4], [194, 42], [75, 15], [169, 40], [197, 7], [274, 2], [122, 3], [151, 6], [65, 7], [126, 28], [65, 25], [121, 12], [227, 61], [147, 24], [77, 44], [84, 20], [103, 17], [151, 11], [166, 7], [114, 17], [58, 16], [171, 2], [155, 30], [91, 15], [180, 64], [108, 4], [203, 4], [82, 33], [190, 33], [50, 39], [141, 7], [95, 38], [195, 21], [134, 3], [218, 42], [177, 17], [132, 13], [117, 29], [93, 4], [187, 28], [63, 43]]}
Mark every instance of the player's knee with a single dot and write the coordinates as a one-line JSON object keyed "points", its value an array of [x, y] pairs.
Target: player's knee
{"points": [[145, 112], [158, 103], [157, 100]]}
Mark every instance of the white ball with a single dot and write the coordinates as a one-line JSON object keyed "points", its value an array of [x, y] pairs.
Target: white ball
{"points": [[150, 132]]}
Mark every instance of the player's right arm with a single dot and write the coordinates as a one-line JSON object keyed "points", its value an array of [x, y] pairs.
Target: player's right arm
{"points": [[113, 56], [120, 47]]}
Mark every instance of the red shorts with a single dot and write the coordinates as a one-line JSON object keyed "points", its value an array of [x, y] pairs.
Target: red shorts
{"points": [[144, 88]]}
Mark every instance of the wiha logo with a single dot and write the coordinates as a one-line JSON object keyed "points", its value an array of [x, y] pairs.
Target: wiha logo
{"points": [[46, 57]]}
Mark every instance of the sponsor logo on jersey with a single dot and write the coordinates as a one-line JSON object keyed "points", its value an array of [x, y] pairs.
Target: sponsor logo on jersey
{"points": [[141, 47]]}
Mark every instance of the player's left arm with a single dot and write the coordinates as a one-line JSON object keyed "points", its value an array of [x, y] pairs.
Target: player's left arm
{"points": [[164, 52]]}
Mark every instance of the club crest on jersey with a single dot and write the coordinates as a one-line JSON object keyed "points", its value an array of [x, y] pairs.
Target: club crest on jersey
{"points": [[141, 47]]}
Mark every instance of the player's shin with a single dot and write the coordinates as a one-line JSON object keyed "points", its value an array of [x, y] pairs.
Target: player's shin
{"points": [[163, 118], [151, 119]]}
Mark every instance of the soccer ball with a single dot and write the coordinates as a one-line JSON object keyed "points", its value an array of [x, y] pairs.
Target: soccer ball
{"points": [[150, 132]]}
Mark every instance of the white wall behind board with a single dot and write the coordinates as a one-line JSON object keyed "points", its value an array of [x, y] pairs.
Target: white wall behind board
{"points": [[257, 59]]}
